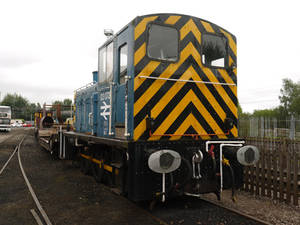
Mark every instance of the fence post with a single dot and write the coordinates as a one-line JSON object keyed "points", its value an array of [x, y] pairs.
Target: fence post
{"points": [[295, 180], [263, 168], [282, 151], [262, 127], [274, 127], [251, 177], [275, 174], [288, 175], [269, 159], [257, 169], [254, 127], [292, 128], [246, 175]]}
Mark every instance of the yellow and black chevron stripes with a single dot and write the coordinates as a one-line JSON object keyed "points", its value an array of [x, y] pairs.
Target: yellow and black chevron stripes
{"points": [[183, 108], [141, 26], [189, 98]]}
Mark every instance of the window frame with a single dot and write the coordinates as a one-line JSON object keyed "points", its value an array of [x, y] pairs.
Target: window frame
{"points": [[119, 65], [110, 79], [226, 58], [104, 47], [147, 41], [99, 74]]}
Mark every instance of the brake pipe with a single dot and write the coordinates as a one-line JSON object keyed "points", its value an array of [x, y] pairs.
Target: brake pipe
{"points": [[212, 154], [222, 144], [233, 184], [221, 160]]}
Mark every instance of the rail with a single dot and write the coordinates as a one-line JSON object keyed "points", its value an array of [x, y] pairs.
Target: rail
{"points": [[12, 154], [37, 202], [39, 206]]}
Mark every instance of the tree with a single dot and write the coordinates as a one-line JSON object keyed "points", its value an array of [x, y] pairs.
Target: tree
{"points": [[241, 114], [67, 101], [271, 113], [38, 106], [290, 97], [20, 106], [57, 102], [17, 103]]}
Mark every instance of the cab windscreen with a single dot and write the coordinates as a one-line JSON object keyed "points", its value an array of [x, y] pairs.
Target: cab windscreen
{"points": [[214, 50], [162, 43]]}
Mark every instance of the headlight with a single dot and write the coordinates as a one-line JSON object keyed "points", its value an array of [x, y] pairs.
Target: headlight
{"points": [[248, 155], [164, 161]]}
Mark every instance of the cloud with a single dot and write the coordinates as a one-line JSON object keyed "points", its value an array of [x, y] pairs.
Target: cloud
{"points": [[36, 92], [9, 60]]}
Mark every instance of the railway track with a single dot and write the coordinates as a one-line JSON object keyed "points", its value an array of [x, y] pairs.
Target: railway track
{"points": [[189, 210], [17, 150], [257, 220]]}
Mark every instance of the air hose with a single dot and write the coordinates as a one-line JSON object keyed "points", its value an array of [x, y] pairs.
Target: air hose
{"points": [[212, 154], [188, 175], [232, 184]]}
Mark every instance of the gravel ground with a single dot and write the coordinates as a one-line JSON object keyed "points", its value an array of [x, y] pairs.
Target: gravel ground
{"points": [[190, 210], [4, 136], [263, 208], [67, 196]]}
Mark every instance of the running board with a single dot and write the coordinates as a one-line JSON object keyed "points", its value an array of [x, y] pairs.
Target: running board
{"points": [[116, 191], [44, 143]]}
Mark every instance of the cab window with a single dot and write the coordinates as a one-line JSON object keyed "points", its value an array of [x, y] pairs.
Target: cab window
{"points": [[123, 63], [102, 65], [162, 43], [106, 63], [109, 61], [214, 50]]}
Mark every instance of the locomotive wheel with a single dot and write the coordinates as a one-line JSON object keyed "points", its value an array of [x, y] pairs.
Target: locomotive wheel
{"points": [[76, 163], [51, 145], [85, 166], [152, 204], [107, 178], [97, 172], [76, 160]]}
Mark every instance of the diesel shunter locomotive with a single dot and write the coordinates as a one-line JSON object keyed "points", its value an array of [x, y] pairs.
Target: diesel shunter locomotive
{"points": [[160, 117]]}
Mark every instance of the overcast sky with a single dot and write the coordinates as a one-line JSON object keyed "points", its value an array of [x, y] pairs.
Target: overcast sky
{"points": [[49, 48]]}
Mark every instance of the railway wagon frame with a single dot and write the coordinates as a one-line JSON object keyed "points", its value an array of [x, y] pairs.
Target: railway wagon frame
{"points": [[160, 117]]}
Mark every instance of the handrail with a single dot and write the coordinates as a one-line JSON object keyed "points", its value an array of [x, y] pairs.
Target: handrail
{"points": [[85, 86], [189, 81]]}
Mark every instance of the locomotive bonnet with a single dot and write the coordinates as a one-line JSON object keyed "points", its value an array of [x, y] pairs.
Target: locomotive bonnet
{"points": [[160, 117]]}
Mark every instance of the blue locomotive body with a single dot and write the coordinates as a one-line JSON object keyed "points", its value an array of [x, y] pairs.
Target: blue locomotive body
{"points": [[92, 110], [104, 108]]}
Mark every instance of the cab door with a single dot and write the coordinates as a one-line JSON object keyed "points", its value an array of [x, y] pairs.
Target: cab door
{"points": [[121, 86]]}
